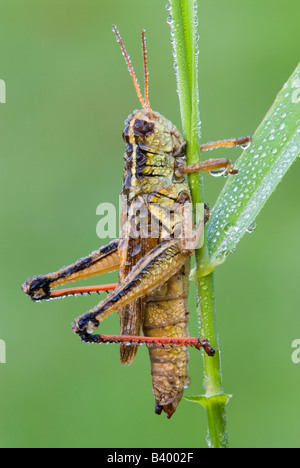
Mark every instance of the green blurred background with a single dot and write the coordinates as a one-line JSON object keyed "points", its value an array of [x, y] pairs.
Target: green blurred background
{"points": [[68, 93]]}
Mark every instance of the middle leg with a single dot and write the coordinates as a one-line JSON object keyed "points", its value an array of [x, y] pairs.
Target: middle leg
{"points": [[213, 164]]}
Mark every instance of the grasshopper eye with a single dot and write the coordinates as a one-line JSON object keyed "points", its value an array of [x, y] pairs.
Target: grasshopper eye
{"points": [[142, 127]]}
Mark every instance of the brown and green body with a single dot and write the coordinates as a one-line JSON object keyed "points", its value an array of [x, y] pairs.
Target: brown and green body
{"points": [[155, 150], [153, 269]]}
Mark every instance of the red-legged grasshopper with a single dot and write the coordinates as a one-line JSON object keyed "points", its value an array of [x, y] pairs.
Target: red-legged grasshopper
{"points": [[153, 270]]}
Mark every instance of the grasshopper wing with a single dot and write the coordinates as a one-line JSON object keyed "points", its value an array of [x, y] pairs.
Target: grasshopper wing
{"points": [[132, 248]]}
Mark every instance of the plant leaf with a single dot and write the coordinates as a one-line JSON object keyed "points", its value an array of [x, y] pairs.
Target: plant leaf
{"points": [[274, 148], [204, 400]]}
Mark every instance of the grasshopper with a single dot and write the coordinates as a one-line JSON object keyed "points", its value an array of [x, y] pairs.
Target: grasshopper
{"points": [[153, 270]]}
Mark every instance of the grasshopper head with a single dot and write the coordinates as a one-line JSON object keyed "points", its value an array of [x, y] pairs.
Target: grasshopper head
{"points": [[152, 132], [148, 129]]}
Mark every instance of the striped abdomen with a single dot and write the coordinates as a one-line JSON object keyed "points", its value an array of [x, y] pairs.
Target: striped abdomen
{"points": [[166, 314]]}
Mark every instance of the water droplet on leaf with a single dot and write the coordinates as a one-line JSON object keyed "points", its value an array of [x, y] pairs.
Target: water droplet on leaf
{"points": [[228, 227], [246, 146], [252, 227]]}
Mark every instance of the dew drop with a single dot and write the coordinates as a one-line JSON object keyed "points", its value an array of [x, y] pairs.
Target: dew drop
{"points": [[187, 382], [218, 172], [228, 227], [136, 249], [252, 227], [246, 146], [219, 256]]}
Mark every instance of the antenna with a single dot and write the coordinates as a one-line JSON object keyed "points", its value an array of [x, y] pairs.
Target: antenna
{"points": [[146, 71], [146, 105], [131, 70]]}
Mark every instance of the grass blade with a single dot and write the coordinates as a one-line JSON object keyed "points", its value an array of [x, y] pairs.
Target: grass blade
{"points": [[275, 146]]}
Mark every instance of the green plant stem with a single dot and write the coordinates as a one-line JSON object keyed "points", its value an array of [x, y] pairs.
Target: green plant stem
{"points": [[184, 39], [209, 330], [215, 406]]}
